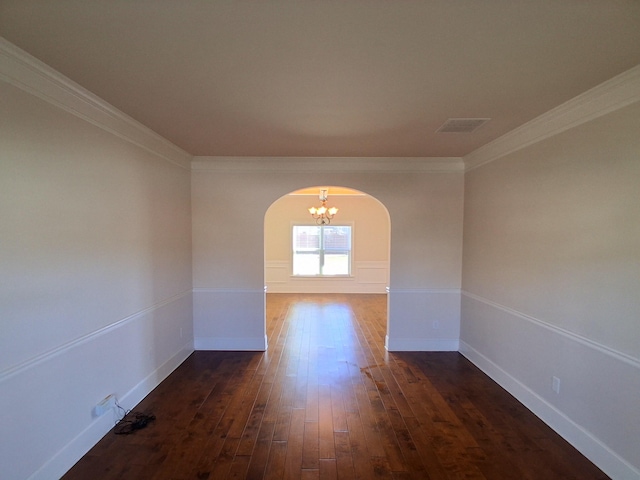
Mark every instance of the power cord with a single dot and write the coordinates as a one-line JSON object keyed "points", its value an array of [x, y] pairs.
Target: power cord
{"points": [[131, 421], [124, 412]]}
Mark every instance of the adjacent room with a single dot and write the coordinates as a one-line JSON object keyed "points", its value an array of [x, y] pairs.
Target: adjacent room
{"points": [[158, 164]]}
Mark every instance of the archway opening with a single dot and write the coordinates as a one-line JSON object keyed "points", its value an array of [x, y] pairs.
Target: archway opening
{"points": [[293, 237]]}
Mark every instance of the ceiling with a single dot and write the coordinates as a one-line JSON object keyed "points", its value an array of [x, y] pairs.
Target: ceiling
{"points": [[355, 78]]}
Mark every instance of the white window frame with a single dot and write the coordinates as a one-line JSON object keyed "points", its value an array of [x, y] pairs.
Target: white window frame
{"points": [[321, 250]]}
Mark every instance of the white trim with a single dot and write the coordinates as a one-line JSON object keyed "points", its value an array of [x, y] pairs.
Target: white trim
{"points": [[229, 290], [251, 344], [427, 291], [362, 271], [279, 269], [62, 461], [622, 357], [366, 277], [334, 164], [599, 453], [142, 389], [29, 74], [310, 287], [421, 344], [614, 94], [59, 350]]}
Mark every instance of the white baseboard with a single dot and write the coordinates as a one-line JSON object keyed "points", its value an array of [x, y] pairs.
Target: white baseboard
{"points": [[257, 344], [137, 393], [601, 455], [60, 463], [421, 344]]}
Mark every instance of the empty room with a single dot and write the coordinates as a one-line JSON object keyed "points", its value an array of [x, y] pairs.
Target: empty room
{"points": [[319, 239]]}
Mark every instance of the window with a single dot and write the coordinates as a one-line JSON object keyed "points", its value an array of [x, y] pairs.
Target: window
{"points": [[321, 250]]}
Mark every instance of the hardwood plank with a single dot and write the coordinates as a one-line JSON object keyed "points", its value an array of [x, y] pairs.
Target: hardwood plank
{"points": [[293, 461], [332, 399], [283, 423], [250, 432], [328, 469], [311, 446], [344, 460], [326, 426], [220, 465], [370, 425], [210, 452], [276, 463], [365, 465], [313, 474], [260, 456], [239, 467]]}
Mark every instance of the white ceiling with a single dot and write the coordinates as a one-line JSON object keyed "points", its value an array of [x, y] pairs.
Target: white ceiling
{"points": [[361, 78]]}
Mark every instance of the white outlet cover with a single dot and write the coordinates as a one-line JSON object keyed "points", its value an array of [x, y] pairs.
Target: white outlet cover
{"points": [[106, 404]]}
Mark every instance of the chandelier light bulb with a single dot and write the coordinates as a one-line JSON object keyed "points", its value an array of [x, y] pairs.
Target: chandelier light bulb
{"points": [[323, 214]]}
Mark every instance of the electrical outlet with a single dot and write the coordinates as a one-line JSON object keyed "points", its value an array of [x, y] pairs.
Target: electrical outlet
{"points": [[106, 404], [555, 384]]}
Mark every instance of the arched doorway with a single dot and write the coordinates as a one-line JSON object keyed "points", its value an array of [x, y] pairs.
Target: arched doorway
{"points": [[366, 219], [370, 238]]}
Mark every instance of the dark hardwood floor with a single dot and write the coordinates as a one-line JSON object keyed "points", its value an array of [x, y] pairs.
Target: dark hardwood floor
{"points": [[326, 401]]}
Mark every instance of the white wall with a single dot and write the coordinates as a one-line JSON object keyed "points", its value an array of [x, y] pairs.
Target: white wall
{"points": [[95, 266], [370, 237], [230, 198], [551, 274]]}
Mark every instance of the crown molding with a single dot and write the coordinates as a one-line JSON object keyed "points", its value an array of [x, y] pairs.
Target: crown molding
{"points": [[29, 74], [614, 94], [339, 164]]}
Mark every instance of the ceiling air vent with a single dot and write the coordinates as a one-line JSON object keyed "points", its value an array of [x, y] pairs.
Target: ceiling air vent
{"points": [[462, 125]]}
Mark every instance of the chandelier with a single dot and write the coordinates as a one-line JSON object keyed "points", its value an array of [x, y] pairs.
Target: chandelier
{"points": [[322, 214]]}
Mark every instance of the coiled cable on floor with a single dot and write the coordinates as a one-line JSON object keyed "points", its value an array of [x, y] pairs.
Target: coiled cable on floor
{"points": [[131, 421]]}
